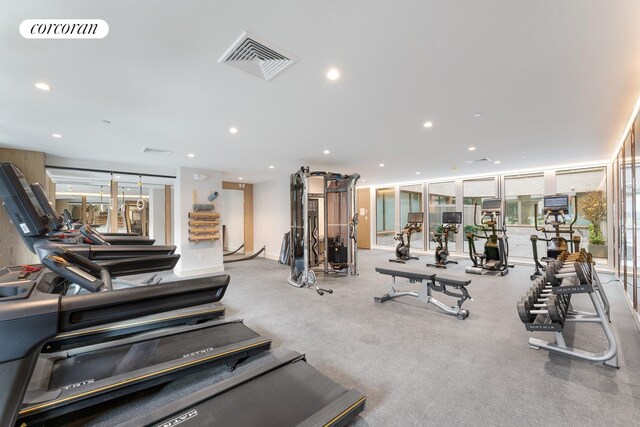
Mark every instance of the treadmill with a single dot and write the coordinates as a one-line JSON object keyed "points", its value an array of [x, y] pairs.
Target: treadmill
{"points": [[57, 224], [33, 225], [40, 386], [67, 271]]}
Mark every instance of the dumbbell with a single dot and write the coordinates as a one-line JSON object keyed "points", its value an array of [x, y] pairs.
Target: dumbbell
{"points": [[528, 312], [540, 293], [541, 301]]}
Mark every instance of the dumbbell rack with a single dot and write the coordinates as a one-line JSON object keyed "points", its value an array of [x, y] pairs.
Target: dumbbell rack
{"points": [[547, 307], [204, 226]]}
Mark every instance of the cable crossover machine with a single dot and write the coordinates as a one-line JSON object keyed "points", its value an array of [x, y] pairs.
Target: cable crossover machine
{"points": [[324, 201]]}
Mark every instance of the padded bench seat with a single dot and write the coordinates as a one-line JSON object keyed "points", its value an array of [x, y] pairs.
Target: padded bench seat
{"points": [[428, 283], [415, 275], [411, 275]]}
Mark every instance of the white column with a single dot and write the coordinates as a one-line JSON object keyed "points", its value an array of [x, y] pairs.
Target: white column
{"points": [[204, 257]]}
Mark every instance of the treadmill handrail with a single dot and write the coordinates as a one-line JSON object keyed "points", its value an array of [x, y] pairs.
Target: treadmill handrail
{"points": [[83, 311]]}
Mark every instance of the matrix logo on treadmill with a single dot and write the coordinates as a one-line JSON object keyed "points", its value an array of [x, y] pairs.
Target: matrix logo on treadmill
{"points": [[180, 419], [195, 353], [76, 385]]}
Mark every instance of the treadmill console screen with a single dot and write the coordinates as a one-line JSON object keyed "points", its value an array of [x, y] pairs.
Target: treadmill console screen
{"points": [[556, 203], [43, 202], [20, 202], [415, 217], [452, 217], [492, 205]]}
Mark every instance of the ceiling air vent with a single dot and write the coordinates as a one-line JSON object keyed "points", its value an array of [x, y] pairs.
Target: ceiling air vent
{"points": [[257, 56], [482, 160], [157, 151]]}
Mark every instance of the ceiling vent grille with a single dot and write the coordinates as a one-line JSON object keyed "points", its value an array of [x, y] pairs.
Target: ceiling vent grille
{"points": [[258, 57], [157, 151]]}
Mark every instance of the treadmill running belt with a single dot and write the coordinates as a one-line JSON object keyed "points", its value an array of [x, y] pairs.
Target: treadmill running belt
{"points": [[108, 362], [283, 397]]}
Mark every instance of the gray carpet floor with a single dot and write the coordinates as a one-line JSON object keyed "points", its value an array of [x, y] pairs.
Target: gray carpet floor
{"points": [[416, 365], [419, 366]]}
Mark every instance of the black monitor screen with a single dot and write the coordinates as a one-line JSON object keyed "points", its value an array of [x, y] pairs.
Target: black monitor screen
{"points": [[43, 202], [415, 217], [556, 203], [20, 202], [452, 217], [492, 205]]}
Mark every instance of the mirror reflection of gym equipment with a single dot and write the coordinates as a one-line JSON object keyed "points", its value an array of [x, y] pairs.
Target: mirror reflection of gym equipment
{"points": [[115, 202], [556, 214], [496, 249], [403, 248], [450, 224], [324, 220]]}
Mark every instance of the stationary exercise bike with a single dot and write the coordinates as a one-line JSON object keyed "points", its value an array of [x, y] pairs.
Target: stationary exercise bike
{"points": [[556, 212], [496, 248], [403, 249], [450, 222]]}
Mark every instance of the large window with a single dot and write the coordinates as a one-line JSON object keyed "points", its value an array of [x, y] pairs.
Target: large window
{"points": [[589, 186], [385, 216], [475, 192], [442, 198], [411, 201], [523, 197]]}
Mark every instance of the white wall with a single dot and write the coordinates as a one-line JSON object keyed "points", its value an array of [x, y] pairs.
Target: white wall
{"points": [[203, 257], [156, 215], [271, 215], [233, 217]]}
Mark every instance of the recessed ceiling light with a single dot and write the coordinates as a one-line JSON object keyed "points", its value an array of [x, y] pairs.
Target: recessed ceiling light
{"points": [[191, 155], [364, 180], [428, 124], [271, 166], [497, 162], [523, 157], [117, 177], [326, 152], [476, 115], [472, 148], [417, 173], [56, 135], [43, 86], [240, 178], [333, 74], [233, 130], [381, 165]]}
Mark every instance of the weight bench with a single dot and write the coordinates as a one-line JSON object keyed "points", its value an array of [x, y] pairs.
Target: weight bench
{"points": [[428, 284]]}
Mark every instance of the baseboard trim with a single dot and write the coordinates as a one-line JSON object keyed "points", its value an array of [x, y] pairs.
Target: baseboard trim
{"points": [[198, 271]]}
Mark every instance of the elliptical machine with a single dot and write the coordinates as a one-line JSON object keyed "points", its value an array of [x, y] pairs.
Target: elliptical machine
{"points": [[556, 213], [496, 249], [403, 249], [450, 223]]}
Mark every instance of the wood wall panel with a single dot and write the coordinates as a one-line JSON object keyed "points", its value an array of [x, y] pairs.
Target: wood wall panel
{"points": [[364, 221], [248, 211], [12, 249]]}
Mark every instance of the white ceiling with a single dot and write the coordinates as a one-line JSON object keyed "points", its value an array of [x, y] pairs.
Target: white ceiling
{"points": [[556, 81]]}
